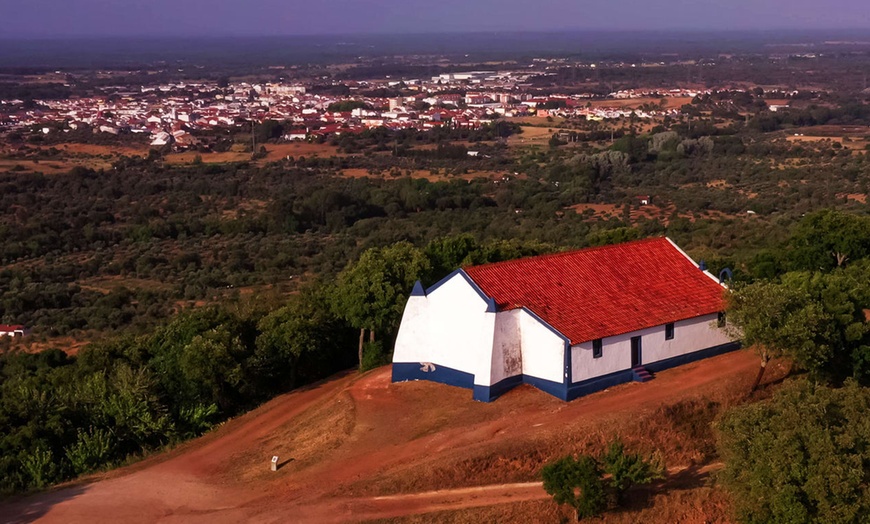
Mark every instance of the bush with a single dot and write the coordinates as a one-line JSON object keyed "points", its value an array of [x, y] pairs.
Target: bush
{"points": [[580, 482], [374, 356], [576, 482], [92, 449]]}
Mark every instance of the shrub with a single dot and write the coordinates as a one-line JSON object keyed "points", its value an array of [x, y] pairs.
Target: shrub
{"points": [[92, 449], [374, 356], [576, 482], [581, 482]]}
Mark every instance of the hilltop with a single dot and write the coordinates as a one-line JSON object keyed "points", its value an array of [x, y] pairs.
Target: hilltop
{"points": [[358, 448]]}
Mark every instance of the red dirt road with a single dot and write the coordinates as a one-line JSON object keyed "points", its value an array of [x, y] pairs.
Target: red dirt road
{"points": [[356, 448]]}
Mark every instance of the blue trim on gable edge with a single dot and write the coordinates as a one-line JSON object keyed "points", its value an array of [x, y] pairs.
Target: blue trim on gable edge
{"points": [[418, 290], [490, 302]]}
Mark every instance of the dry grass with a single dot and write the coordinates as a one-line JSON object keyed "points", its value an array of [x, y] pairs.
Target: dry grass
{"points": [[634, 103], [431, 176], [661, 213], [703, 504], [274, 153], [92, 156], [98, 149], [680, 432], [188, 157], [296, 149], [52, 167], [108, 284], [854, 197], [319, 431]]}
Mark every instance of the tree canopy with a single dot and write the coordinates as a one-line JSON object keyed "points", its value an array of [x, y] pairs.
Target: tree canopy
{"points": [[800, 457], [828, 238], [371, 293]]}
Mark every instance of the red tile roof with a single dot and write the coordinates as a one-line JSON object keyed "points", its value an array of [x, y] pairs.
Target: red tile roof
{"points": [[605, 291]]}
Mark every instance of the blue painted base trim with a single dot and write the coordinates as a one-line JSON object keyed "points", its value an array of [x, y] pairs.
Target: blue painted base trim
{"points": [[403, 371], [655, 367], [414, 371], [585, 387], [592, 385], [556, 389], [490, 393]]}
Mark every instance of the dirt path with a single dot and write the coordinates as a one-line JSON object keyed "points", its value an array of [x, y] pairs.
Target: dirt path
{"points": [[176, 483], [391, 506], [348, 440]]}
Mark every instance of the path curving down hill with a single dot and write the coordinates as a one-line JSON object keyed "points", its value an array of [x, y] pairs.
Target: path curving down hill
{"points": [[357, 447]]}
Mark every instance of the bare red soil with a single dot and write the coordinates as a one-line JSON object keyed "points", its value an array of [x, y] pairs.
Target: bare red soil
{"points": [[357, 447]]}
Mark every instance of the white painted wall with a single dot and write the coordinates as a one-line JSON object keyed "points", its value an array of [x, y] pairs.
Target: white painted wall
{"points": [[523, 345], [449, 327], [543, 350], [689, 335]]}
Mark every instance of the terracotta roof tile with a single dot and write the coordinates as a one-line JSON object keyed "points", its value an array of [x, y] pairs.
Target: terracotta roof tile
{"points": [[605, 291]]}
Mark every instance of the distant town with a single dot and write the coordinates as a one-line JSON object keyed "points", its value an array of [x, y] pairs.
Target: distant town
{"points": [[174, 114]]}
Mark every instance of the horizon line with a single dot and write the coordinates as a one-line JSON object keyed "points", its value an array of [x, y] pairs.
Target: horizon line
{"points": [[563, 31]]}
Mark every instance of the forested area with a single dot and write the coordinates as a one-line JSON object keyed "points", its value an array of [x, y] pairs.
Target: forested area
{"points": [[207, 289], [801, 456]]}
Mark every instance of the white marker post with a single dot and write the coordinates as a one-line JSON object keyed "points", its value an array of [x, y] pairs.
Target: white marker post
{"points": [[275, 463]]}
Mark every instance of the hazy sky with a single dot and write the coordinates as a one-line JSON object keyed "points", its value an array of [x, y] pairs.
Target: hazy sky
{"points": [[46, 18]]}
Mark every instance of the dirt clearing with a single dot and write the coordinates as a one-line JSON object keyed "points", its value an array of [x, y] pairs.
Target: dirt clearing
{"points": [[359, 447]]}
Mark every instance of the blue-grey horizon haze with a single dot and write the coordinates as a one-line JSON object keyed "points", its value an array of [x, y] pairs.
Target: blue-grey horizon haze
{"points": [[113, 18]]}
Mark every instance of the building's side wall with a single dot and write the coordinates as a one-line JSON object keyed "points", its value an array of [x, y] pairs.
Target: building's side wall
{"points": [[543, 350], [449, 328], [689, 336]]}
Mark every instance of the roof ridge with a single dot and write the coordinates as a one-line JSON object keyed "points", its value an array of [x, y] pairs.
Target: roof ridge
{"points": [[558, 254]]}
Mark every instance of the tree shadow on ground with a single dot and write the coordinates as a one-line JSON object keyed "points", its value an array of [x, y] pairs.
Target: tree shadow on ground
{"points": [[29, 508], [643, 497]]}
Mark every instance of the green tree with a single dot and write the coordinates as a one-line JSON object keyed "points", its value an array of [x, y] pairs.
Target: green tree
{"points": [[828, 238], [372, 292], [576, 482], [800, 457], [40, 467], [92, 449], [590, 486], [779, 319], [628, 469], [844, 295], [448, 253], [210, 364], [304, 328]]}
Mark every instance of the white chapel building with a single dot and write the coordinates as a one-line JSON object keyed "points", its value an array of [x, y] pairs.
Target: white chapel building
{"points": [[568, 323]]}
